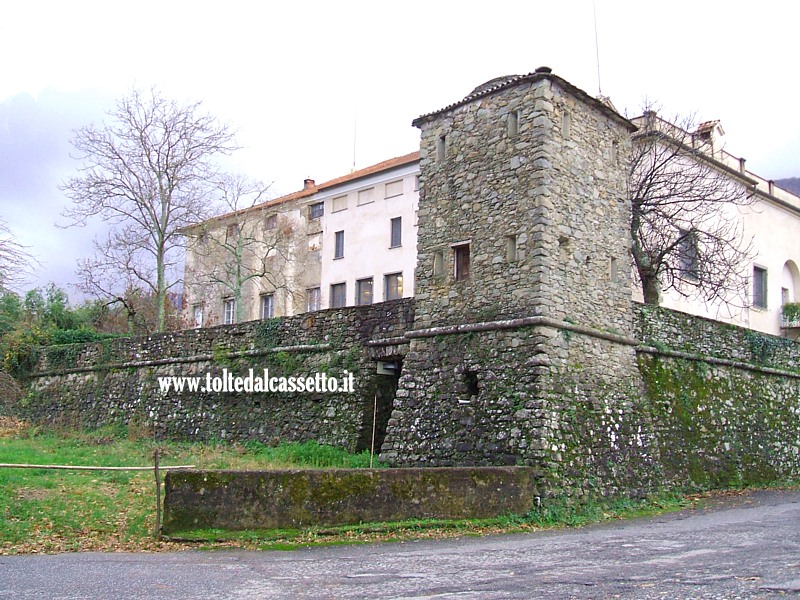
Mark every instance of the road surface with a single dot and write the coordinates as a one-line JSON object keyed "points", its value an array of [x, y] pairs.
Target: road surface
{"points": [[743, 547]]}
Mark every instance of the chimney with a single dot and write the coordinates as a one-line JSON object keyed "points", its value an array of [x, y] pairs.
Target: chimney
{"points": [[741, 166], [308, 183]]}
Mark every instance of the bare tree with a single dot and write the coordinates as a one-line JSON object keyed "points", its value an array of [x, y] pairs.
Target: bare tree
{"points": [[685, 229], [147, 174], [242, 247], [15, 261], [116, 276]]}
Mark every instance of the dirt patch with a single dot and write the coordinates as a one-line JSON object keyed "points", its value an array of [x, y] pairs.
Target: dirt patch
{"points": [[32, 494], [11, 426]]}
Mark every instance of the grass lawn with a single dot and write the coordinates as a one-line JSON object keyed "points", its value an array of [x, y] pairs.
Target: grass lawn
{"points": [[56, 510]]}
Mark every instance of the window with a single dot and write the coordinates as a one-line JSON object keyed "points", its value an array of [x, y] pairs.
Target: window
{"points": [[312, 299], [316, 210], [314, 242], [441, 148], [461, 262], [197, 315], [228, 311], [364, 291], [511, 248], [397, 232], [613, 270], [339, 245], [759, 287], [688, 254], [338, 295], [339, 203], [232, 232], [513, 123], [416, 183], [438, 264], [267, 306], [566, 125], [395, 188], [271, 222], [366, 196], [394, 286]]}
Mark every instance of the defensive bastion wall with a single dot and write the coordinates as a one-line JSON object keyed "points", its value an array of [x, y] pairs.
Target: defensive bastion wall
{"points": [[709, 404]]}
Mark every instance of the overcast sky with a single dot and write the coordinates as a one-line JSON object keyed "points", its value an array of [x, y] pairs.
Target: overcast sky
{"points": [[294, 78]]}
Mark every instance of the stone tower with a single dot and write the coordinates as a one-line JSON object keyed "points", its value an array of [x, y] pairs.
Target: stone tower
{"points": [[523, 302]]}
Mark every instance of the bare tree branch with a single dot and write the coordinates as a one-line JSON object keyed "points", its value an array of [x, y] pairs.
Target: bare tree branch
{"points": [[686, 232], [15, 261], [241, 249], [148, 173]]}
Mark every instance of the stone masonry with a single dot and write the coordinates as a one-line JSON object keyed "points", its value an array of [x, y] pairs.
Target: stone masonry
{"points": [[524, 180]]}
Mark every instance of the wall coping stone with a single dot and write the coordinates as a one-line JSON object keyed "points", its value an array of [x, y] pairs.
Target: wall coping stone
{"points": [[518, 323], [185, 359], [713, 360]]}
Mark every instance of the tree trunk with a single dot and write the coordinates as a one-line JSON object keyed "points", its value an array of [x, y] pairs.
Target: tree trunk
{"points": [[651, 290]]}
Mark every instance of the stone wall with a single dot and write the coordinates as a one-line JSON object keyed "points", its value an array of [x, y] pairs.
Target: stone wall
{"points": [[724, 400], [117, 381], [294, 499]]}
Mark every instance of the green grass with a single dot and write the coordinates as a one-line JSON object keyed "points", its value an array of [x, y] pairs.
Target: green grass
{"points": [[56, 510]]}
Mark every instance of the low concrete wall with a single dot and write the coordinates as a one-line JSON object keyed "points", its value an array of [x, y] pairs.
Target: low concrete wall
{"points": [[236, 500]]}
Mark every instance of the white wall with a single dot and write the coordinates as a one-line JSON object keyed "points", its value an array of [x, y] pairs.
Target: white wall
{"points": [[367, 231]]}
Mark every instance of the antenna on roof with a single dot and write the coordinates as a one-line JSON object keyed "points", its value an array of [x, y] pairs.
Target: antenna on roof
{"points": [[355, 131], [597, 49]]}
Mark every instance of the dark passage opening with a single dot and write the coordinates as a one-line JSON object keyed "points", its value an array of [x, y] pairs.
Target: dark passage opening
{"points": [[380, 406]]}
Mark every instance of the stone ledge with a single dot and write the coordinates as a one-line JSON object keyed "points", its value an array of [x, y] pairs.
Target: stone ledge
{"points": [[237, 500]]}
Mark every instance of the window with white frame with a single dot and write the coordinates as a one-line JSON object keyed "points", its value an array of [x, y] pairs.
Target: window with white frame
{"points": [[229, 311], [338, 295], [267, 306], [393, 284], [396, 237], [393, 189], [366, 196], [364, 291], [313, 297], [338, 249]]}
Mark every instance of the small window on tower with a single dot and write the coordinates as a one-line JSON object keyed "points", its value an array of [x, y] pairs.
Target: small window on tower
{"points": [[513, 123], [461, 262]]}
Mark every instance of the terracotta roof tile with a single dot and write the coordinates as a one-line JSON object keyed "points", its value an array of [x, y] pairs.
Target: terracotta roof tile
{"points": [[392, 163]]}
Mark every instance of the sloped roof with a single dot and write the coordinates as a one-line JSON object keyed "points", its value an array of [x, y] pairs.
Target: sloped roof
{"points": [[310, 190], [507, 81]]}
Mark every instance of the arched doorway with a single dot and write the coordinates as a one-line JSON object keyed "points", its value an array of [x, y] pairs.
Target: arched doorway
{"points": [[790, 283]]}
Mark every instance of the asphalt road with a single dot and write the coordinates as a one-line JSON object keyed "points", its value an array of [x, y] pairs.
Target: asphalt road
{"points": [[743, 547]]}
